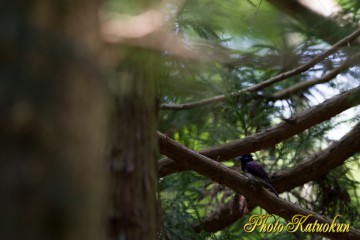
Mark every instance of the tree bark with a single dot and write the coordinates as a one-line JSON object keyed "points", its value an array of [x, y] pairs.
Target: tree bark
{"points": [[133, 212], [52, 122]]}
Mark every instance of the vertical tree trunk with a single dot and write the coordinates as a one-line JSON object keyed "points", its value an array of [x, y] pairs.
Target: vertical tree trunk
{"points": [[133, 213], [52, 120]]}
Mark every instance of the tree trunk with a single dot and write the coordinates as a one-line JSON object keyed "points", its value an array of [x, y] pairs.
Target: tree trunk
{"points": [[52, 120], [133, 214]]}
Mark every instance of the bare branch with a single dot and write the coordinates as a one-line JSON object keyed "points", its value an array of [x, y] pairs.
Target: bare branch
{"points": [[268, 82], [307, 84], [315, 167], [273, 135], [239, 183]]}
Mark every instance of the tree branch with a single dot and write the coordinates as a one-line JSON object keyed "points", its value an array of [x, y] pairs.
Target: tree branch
{"points": [[307, 84], [225, 216], [268, 82], [317, 166], [273, 135], [239, 183], [311, 169], [324, 27]]}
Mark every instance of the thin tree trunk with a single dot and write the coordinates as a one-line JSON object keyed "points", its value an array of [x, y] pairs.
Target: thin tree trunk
{"points": [[133, 213]]}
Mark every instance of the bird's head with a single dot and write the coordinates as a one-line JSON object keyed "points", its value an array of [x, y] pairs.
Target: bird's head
{"points": [[246, 158]]}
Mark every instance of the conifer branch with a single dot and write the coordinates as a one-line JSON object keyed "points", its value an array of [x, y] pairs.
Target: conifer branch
{"points": [[268, 82], [324, 27], [239, 183], [273, 135], [318, 165], [315, 167], [301, 86]]}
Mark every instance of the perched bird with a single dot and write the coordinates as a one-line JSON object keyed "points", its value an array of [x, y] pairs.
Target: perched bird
{"points": [[248, 165]]}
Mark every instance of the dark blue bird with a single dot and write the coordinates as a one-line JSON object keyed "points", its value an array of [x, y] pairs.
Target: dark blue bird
{"points": [[250, 166]]}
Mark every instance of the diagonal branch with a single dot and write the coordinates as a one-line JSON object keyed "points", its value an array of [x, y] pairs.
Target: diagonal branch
{"points": [[315, 167], [273, 135], [320, 164], [354, 60], [268, 82], [239, 183]]}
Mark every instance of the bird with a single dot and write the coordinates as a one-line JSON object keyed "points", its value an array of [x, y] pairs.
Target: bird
{"points": [[248, 165]]}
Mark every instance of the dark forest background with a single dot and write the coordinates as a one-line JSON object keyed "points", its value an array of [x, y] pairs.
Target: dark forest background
{"points": [[122, 119]]}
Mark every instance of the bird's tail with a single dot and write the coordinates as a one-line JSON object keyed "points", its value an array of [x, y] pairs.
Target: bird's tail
{"points": [[271, 188]]}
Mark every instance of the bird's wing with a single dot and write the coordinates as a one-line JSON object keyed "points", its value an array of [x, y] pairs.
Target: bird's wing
{"points": [[257, 170]]}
